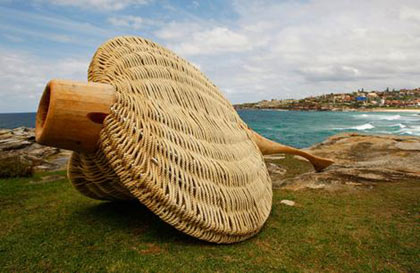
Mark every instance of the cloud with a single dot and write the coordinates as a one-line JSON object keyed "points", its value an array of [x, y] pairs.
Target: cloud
{"points": [[100, 4], [330, 73], [252, 50], [24, 76], [214, 41], [407, 13], [178, 31], [208, 41], [133, 22], [281, 49], [53, 28]]}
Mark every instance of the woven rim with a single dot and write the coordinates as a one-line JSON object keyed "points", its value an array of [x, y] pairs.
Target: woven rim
{"points": [[176, 144]]}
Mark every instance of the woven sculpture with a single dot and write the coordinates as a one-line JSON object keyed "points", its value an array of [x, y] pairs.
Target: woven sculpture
{"points": [[170, 139]]}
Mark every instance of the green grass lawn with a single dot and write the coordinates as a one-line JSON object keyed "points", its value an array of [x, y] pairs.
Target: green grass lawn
{"points": [[49, 227]]}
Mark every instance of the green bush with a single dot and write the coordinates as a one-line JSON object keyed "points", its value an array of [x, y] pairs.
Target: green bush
{"points": [[14, 166]]}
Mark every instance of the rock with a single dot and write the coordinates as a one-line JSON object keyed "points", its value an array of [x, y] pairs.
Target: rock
{"points": [[274, 169], [361, 160], [274, 157], [21, 142], [8, 145], [408, 146], [300, 158], [288, 203]]}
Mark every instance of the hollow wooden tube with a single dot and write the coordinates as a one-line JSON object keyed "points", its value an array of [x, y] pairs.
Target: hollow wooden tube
{"points": [[70, 116]]}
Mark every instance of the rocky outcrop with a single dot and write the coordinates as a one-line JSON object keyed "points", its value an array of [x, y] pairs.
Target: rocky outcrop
{"points": [[20, 142], [361, 160]]}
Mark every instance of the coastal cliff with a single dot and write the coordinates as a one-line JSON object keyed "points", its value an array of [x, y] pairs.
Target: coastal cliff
{"points": [[360, 160]]}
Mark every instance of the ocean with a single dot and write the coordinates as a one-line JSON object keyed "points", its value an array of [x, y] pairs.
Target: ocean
{"points": [[14, 120], [296, 128]]}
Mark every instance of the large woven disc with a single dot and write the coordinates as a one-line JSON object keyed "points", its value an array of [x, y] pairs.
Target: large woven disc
{"points": [[176, 144]]}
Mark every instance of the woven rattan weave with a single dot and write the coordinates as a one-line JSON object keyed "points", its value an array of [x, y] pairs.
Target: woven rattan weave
{"points": [[173, 142]]}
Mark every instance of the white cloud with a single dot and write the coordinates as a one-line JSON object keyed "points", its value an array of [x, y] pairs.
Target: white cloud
{"points": [[100, 4], [23, 78], [178, 31], [208, 41], [408, 13], [133, 22], [280, 49], [330, 73], [267, 49]]}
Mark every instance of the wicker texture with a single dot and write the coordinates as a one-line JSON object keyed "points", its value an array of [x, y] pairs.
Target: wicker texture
{"points": [[176, 144]]}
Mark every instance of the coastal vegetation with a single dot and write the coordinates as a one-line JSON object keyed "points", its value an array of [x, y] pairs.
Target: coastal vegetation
{"points": [[360, 99], [15, 166]]}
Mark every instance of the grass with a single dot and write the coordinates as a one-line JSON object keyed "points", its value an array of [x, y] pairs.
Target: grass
{"points": [[49, 227], [292, 165]]}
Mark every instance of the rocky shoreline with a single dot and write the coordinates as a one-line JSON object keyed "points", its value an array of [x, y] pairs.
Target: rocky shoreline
{"points": [[360, 160], [20, 142]]}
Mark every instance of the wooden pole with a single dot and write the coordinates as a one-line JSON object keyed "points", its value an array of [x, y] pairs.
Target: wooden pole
{"points": [[70, 116]]}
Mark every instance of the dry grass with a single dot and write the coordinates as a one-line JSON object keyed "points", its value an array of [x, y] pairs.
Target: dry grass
{"points": [[14, 166]]}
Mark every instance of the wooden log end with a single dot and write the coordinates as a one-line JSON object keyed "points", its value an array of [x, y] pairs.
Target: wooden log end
{"points": [[71, 114]]}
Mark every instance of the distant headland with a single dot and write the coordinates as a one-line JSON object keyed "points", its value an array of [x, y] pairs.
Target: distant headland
{"points": [[360, 100]]}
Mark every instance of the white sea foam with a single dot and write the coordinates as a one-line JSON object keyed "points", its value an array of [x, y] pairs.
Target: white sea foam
{"points": [[362, 116], [366, 126], [378, 117], [410, 130], [394, 117], [363, 127], [398, 125]]}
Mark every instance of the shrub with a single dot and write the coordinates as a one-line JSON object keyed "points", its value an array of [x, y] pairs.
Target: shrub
{"points": [[14, 166]]}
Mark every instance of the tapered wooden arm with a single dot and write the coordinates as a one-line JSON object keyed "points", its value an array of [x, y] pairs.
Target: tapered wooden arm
{"points": [[70, 116], [267, 147]]}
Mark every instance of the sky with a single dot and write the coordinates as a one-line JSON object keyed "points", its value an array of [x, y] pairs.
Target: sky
{"points": [[252, 50]]}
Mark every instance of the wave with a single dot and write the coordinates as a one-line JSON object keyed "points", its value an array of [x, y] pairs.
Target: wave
{"points": [[398, 125], [366, 126], [394, 117], [378, 117], [410, 130], [362, 127]]}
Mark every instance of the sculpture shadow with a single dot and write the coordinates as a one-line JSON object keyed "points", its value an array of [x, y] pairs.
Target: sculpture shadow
{"points": [[134, 218]]}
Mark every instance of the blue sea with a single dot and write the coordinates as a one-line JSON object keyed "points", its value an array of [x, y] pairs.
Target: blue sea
{"points": [[14, 120], [296, 128]]}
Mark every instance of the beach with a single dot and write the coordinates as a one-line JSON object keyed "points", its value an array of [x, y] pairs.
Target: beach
{"points": [[395, 110]]}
